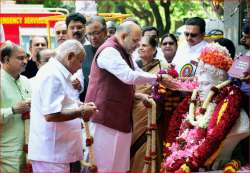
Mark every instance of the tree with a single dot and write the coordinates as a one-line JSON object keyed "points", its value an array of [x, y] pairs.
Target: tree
{"points": [[161, 13]]}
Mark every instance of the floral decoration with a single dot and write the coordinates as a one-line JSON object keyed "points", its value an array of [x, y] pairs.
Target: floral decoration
{"points": [[191, 144], [216, 55], [232, 166]]}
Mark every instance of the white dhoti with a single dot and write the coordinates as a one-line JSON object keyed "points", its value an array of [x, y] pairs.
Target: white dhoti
{"points": [[43, 167], [111, 149]]}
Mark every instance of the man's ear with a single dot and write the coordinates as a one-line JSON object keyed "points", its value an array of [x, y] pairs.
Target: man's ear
{"points": [[124, 35], [6, 59], [71, 56]]}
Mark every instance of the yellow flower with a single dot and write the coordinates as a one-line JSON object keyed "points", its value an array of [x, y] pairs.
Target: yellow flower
{"points": [[185, 168]]}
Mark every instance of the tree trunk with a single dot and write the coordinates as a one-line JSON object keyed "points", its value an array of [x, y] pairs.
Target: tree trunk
{"points": [[166, 5], [157, 15]]}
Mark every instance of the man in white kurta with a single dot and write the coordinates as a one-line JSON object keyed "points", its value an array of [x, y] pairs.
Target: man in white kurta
{"points": [[186, 58], [55, 125]]}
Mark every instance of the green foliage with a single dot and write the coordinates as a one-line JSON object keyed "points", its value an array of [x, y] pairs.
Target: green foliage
{"points": [[52, 3], [185, 9], [140, 10]]}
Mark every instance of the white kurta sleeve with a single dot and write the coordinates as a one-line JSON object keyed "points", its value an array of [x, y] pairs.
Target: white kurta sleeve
{"points": [[110, 59], [51, 102]]}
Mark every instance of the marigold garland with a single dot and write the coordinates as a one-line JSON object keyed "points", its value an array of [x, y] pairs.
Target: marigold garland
{"points": [[208, 139], [232, 166]]}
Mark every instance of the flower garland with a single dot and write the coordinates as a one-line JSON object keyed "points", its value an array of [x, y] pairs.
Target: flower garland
{"points": [[195, 144], [158, 89], [232, 166], [202, 119], [216, 129], [184, 84]]}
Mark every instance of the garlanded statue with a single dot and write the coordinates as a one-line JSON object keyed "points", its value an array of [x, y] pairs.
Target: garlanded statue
{"points": [[205, 128]]}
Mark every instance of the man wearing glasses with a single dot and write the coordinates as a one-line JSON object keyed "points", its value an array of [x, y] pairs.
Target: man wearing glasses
{"points": [[188, 53], [96, 33]]}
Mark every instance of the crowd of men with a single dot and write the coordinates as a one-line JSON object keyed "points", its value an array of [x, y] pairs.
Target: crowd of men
{"points": [[92, 71]]}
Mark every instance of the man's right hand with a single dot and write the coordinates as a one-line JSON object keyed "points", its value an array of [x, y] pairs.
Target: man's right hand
{"points": [[88, 108], [21, 107], [169, 82]]}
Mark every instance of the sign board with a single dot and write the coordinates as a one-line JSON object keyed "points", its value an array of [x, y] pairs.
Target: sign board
{"points": [[12, 22]]}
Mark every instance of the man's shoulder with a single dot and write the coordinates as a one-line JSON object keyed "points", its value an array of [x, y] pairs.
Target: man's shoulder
{"points": [[46, 71], [109, 51]]}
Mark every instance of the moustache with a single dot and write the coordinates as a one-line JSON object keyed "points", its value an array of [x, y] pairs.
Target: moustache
{"points": [[77, 34]]}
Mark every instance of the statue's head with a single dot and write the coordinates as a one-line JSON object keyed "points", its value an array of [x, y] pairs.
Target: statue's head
{"points": [[212, 69]]}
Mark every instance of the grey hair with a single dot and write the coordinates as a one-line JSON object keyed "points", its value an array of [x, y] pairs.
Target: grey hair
{"points": [[67, 47], [126, 26], [58, 23], [98, 19], [217, 73]]}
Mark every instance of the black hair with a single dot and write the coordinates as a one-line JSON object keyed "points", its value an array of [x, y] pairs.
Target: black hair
{"points": [[197, 21], [245, 29], [150, 28], [228, 44], [75, 17], [169, 35], [152, 41], [6, 50]]}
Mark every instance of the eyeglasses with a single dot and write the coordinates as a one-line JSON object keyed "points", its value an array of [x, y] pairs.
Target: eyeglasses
{"points": [[191, 34], [168, 43], [96, 33]]}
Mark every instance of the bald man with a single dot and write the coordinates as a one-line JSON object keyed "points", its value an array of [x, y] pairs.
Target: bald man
{"points": [[111, 86]]}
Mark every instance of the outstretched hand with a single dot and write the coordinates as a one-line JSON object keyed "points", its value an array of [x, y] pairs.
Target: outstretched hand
{"points": [[169, 82]]}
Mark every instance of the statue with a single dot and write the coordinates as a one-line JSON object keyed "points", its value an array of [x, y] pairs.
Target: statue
{"points": [[205, 128]]}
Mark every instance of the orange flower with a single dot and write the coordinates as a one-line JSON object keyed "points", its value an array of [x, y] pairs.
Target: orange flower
{"points": [[216, 55]]}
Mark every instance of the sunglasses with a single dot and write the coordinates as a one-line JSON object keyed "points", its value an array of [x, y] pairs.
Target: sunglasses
{"points": [[191, 34], [168, 43]]}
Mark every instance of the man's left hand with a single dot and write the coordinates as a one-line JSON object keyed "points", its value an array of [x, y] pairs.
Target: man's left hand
{"points": [[76, 84]]}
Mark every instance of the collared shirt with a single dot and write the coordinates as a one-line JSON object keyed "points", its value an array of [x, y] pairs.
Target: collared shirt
{"points": [[58, 142], [186, 58], [11, 125], [111, 60]]}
